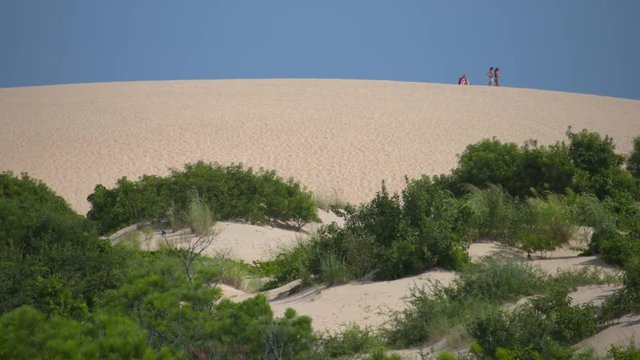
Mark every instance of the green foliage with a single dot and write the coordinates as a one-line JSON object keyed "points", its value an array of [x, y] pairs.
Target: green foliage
{"points": [[588, 210], [49, 257], [332, 255], [615, 247], [27, 334], [380, 354], [633, 161], [479, 291], [229, 192], [494, 213], [445, 355], [352, 340], [497, 280], [189, 317], [333, 270], [517, 169], [627, 299], [537, 330], [479, 288], [491, 162], [548, 224], [630, 352], [395, 237], [598, 165], [547, 168]]}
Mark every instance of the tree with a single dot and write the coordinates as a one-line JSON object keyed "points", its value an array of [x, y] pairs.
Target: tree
{"points": [[633, 162]]}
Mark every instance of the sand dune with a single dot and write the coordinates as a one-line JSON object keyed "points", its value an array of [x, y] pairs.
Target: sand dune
{"points": [[342, 135]]}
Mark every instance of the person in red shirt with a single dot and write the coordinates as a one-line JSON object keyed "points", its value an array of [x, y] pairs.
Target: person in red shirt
{"points": [[463, 80]]}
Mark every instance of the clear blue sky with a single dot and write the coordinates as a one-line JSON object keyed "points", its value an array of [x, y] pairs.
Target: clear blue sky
{"points": [[587, 46]]}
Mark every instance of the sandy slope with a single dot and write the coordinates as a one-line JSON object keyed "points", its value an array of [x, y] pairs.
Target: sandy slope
{"points": [[345, 135]]}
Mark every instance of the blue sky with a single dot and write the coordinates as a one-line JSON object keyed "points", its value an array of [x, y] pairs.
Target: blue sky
{"points": [[587, 46]]}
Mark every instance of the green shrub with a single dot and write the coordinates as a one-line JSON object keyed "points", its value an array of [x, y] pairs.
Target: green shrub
{"points": [[494, 213], [547, 168], [588, 210], [631, 352], [28, 334], [631, 278], [617, 248], [541, 328], [492, 162], [352, 340], [599, 167], [49, 257], [633, 161], [184, 315], [380, 354], [549, 224], [497, 280], [230, 192], [478, 292]]}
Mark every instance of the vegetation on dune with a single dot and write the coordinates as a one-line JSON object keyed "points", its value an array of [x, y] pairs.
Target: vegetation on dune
{"points": [[231, 192], [435, 311], [49, 256], [64, 292]]}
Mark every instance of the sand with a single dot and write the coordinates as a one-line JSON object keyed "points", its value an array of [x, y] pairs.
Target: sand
{"points": [[334, 136], [331, 135]]}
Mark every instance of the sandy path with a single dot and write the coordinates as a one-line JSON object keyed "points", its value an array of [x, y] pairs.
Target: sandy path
{"points": [[342, 135]]}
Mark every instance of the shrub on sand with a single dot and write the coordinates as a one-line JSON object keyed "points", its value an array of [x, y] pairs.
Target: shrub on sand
{"points": [[479, 291], [333, 270], [549, 224], [353, 340], [495, 214]]}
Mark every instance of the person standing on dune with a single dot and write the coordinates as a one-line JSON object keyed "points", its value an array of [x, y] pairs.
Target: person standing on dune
{"points": [[490, 75], [496, 76]]}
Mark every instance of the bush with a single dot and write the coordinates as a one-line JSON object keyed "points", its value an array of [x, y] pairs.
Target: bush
{"points": [[478, 292], [230, 192], [588, 210], [494, 213], [598, 165], [49, 257], [497, 280], [617, 248], [633, 161], [188, 317], [28, 334], [631, 352], [396, 238], [332, 253], [549, 224], [352, 340], [542, 327], [492, 162]]}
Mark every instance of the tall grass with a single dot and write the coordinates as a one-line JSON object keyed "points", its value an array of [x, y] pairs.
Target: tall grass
{"points": [[329, 199], [549, 223], [495, 214], [333, 270]]}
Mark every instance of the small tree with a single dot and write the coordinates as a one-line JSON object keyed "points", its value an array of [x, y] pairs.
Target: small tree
{"points": [[200, 220]]}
